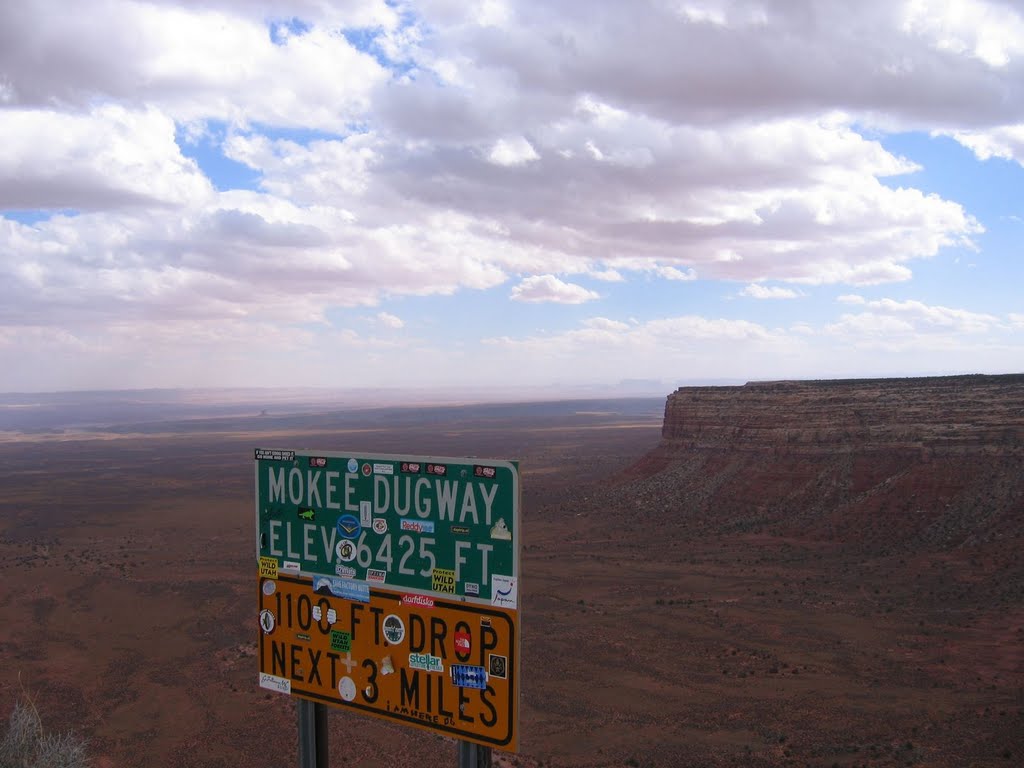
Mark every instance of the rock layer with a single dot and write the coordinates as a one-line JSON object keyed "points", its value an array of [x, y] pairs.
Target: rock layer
{"points": [[935, 415]]}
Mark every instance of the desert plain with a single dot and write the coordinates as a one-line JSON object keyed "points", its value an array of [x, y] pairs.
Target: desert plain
{"points": [[790, 574]]}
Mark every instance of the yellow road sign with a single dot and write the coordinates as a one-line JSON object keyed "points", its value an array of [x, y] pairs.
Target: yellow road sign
{"points": [[448, 666]]}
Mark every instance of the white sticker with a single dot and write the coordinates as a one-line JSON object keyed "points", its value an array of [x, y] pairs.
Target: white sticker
{"points": [[269, 587], [346, 550], [347, 688], [267, 621], [380, 525], [365, 513], [500, 531], [504, 591], [274, 683], [383, 469]]}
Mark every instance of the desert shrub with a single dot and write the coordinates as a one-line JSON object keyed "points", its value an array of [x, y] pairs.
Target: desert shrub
{"points": [[27, 745]]}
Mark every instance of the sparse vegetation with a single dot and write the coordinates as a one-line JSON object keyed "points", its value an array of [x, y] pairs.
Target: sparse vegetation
{"points": [[27, 745]]}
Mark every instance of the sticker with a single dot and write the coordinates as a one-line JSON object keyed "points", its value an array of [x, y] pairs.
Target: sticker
{"points": [[411, 467], [380, 525], [347, 688], [289, 567], [468, 676], [341, 641], [484, 621], [355, 590], [317, 461], [349, 527], [272, 455], [471, 588], [482, 471], [394, 629], [267, 621], [504, 591], [443, 580], [383, 469], [268, 568], [462, 642], [346, 551], [419, 600], [345, 572], [497, 666], [419, 526], [269, 587], [353, 466], [332, 615], [275, 683], [365, 513], [437, 469], [460, 529], [303, 636], [345, 588], [372, 574], [386, 666], [307, 513], [367, 470], [426, 662], [500, 531]]}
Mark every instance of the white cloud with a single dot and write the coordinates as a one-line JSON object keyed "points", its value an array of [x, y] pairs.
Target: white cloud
{"points": [[548, 288], [850, 298], [672, 273], [390, 321], [900, 322], [756, 291], [511, 152], [108, 158], [455, 147], [989, 31], [1004, 141], [196, 64]]}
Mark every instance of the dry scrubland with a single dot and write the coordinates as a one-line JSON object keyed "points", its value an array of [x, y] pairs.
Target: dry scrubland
{"points": [[789, 574]]}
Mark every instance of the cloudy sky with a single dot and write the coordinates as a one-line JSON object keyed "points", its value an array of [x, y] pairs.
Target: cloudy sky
{"points": [[508, 192]]}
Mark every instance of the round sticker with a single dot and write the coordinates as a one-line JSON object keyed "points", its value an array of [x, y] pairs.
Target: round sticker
{"points": [[353, 466], [394, 629], [267, 621], [349, 527], [346, 550], [347, 688], [269, 587], [380, 525], [367, 470]]}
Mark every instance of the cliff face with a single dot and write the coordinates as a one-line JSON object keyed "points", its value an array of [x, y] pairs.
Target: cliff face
{"points": [[955, 414], [874, 466]]}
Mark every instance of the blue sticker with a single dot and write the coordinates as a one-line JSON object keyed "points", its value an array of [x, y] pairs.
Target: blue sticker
{"points": [[347, 589], [468, 676], [353, 466], [349, 527]]}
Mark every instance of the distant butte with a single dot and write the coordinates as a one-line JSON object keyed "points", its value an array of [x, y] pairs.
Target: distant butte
{"points": [[949, 414], [878, 465]]}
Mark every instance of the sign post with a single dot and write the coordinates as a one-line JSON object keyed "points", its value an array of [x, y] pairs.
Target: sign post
{"points": [[389, 586]]}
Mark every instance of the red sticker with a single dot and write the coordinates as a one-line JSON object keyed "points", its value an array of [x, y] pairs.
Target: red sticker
{"points": [[367, 469], [462, 642]]}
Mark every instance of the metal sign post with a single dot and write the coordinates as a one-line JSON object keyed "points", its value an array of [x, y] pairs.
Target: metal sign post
{"points": [[473, 755], [312, 734]]}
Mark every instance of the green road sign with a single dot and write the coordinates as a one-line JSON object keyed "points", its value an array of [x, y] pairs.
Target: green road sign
{"points": [[427, 526]]}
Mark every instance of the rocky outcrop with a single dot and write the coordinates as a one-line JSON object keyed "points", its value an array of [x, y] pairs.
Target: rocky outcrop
{"points": [[932, 415], [877, 466]]}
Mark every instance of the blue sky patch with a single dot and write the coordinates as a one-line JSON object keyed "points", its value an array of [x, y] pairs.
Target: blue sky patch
{"points": [[281, 29]]}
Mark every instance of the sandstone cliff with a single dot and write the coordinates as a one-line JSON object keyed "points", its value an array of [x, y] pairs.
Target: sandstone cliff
{"points": [[876, 467]]}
